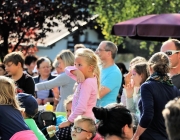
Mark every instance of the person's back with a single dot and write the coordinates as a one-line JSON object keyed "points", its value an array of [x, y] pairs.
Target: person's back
{"points": [[12, 124], [160, 94], [11, 121]]}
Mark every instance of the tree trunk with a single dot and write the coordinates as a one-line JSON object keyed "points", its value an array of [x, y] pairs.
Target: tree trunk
{"points": [[4, 46]]}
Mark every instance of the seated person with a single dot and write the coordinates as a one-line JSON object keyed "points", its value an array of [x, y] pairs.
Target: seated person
{"points": [[29, 103], [115, 122], [64, 133], [84, 128], [12, 125]]}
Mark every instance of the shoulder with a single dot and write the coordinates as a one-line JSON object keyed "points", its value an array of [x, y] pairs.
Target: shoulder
{"points": [[36, 77], [90, 81], [6, 109], [112, 70], [51, 77], [149, 83], [29, 120], [26, 76]]}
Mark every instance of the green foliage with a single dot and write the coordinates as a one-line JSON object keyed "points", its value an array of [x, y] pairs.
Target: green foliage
{"points": [[114, 11]]}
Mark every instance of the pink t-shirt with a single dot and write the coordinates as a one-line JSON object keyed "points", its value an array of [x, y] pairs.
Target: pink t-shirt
{"points": [[84, 98]]}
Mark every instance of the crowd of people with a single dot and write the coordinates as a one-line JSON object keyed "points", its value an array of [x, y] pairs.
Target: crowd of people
{"points": [[102, 100]]}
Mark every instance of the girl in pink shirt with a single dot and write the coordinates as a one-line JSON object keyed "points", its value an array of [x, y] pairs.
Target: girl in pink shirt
{"points": [[87, 74]]}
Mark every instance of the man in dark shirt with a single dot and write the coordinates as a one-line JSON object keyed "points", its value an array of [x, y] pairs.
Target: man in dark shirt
{"points": [[14, 66], [172, 49]]}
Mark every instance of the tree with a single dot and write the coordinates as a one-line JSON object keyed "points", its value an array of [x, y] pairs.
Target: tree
{"points": [[29, 20], [114, 11]]}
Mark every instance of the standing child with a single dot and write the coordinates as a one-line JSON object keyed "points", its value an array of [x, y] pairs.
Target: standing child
{"points": [[12, 125], [86, 72]]}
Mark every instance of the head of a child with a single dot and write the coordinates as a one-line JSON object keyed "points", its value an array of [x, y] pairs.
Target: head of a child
{"points": [[30, 62], [87, 62], [14, 62], [84, 128], [8, 92], [134, 61], [68, 105], [29, 103], [139, 73]]}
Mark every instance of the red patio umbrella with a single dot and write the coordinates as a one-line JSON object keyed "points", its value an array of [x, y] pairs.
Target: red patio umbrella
{"points": [[151, 27]]}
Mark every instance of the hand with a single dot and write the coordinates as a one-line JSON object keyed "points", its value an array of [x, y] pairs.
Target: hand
{"points": [[135, 138], [54, 108], [129, 90], [79, 76], [51, 130], [65, 124]]}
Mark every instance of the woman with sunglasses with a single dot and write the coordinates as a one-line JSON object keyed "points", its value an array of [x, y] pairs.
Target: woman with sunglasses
{"points": [[155, 93]]}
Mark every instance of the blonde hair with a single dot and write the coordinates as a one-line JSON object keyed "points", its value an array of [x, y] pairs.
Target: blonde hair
{"points": [[159, 62], [92, 60], [78, 46], [67, 57], [8, 92], [89, 121], [136, 60], [68, 100], [55, 63]]}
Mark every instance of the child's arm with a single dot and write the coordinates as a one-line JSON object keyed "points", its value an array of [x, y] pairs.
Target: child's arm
{"points": [[51, 130], [75, 74]]}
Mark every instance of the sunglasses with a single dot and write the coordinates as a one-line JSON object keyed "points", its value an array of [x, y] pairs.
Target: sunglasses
{"points": [[78, 129], [171, 52], [100, 50]]}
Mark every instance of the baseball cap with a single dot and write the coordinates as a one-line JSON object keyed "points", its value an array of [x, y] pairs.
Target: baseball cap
{"points": [[28, 102]]}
